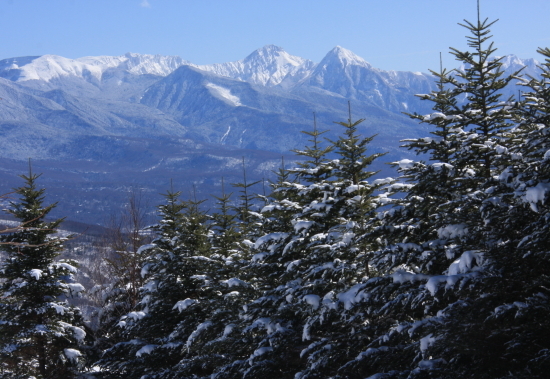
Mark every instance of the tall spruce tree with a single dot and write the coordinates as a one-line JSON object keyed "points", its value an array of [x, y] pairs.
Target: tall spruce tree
{"points": [[243, 210], [337, 257], [305, 259], [510, 316], [40, 332], [271, 336], [435, 247], [215, 341], [146, 328]]}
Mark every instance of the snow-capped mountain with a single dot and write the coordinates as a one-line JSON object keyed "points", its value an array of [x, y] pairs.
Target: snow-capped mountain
{"points": [[350, 76], [267, 66], [107, 121], [49, 67]]}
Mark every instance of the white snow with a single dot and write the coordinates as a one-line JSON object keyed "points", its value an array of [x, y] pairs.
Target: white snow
{"points": [[48, 67], [234, 282], [67, 266], [262, 351], [270, 237], [405, 164], [76, 288], [379, 182], [147, 349], [401, 276], [298, 226], [228, 329], [536, 194], [426, 342], [222, 140], [36, 273], [433, 283], [60, 309], [144, 248], [452, 231], [312, 300], [136, 315], [72, 354], [267, 66], [78, 333], [197, 331], [351, 296], [464, 263], [184, 304], [346, 57], [224, 93], [293, 264]]}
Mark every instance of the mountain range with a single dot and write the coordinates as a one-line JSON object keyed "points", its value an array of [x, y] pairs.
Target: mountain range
{"points": [[98, 126]]}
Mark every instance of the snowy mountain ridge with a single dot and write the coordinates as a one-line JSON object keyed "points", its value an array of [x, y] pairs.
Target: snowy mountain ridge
{"points": [[48, 67], [268, 66]]}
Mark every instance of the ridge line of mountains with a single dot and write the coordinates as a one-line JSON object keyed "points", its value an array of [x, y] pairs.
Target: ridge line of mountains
{"points": [[97, 126]]}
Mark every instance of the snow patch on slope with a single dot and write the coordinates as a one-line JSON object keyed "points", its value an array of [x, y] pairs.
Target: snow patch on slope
{"points": [[224, 93]]}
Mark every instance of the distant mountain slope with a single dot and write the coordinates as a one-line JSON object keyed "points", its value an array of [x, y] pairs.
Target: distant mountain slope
{"points": [[100, 125]]}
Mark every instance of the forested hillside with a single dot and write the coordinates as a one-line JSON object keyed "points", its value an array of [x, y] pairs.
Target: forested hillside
{"points": [[442, 272]]}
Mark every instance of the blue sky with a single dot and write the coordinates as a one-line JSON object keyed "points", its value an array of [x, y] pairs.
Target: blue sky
{"points": [[390, 34]]}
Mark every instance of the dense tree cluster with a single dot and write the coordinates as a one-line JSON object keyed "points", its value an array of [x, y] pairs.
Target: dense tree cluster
{"points": [[443, 272]]}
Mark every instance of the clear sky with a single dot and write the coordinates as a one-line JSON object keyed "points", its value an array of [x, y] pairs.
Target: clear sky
{"points": [[390, 34]]}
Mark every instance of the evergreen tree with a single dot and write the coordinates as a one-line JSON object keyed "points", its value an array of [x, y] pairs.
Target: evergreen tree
{"points": [[225, 236], [120, 266], [311, 170], [306, 258], [436, 242], [40, 333], [510, 318], [245, 207], [338, 257], [215, 341], [271, 337], [145, 349]]}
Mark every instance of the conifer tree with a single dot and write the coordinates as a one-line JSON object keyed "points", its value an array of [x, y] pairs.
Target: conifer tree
{"points": [[271, 335], [245, 207], [435, 242], [146, 328], [215, 342], [338, 256], [225, 236], [306, 259], [312, 170], [40, 333], [510, 316], [120, 271]]}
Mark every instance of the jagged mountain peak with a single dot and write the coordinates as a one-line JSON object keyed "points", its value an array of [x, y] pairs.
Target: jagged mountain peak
{"points": [[512, 61], [344, 57], [272, 55], [267, 50], [268, 66]]}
